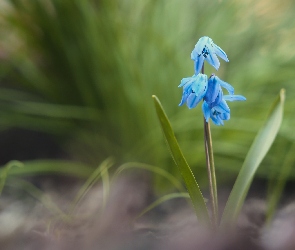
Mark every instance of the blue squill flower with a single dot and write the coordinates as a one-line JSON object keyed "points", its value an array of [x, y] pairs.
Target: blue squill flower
{"points": [[214, 92], [221, 111], [194, 89], [205, 49]]}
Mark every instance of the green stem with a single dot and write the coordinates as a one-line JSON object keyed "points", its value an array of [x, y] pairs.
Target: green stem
{"points": [[211, 170]]}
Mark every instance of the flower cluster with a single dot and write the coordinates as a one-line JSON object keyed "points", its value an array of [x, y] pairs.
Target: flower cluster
{"points": [[199, 87]]}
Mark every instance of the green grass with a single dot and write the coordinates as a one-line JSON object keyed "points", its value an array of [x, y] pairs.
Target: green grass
{"points": [[84, 71]]}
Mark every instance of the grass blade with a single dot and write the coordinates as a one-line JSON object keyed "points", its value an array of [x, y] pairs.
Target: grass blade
{"points": [[5, 171], [156, 170], [40, 196], [62, 167], [105, 178], [99, 172], [159, 201], [257, 152], [186, 173]]}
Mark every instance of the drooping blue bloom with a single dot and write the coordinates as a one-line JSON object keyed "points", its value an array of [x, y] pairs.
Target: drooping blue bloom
{"points": [[194, 89], [218, 113], [215, 106], [214, 92], [198, 87], [205, 49], [221, 111]]}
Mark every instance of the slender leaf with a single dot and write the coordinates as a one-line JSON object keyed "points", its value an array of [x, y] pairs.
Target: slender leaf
{"points": [[62, 167], [257, 152], [187, 175], [93, 178], [40, 196], [157, 170], [161, 200], [105, 178], [5, 171]]}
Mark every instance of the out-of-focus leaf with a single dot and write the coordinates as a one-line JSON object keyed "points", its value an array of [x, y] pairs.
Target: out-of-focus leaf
{"points": [[51, 167], [157, 170], [257, 152], [5, 170], [163, 199]]}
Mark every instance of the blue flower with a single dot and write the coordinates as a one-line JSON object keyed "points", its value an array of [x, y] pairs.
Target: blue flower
{"points": [[221, 111], [194, 89], [205, 49], [214, 92], [198, 87]]}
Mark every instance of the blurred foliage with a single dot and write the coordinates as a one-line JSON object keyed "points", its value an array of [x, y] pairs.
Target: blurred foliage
{"points": [[85, 70]]}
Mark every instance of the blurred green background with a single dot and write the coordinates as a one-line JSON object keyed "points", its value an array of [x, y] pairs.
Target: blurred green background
{"points": [[83, 72]]}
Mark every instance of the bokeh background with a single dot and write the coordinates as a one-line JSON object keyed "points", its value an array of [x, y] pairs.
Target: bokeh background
{"points": [[77, 78]]}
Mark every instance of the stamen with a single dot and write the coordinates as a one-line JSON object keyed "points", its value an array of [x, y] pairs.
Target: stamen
{"points": [[205, 52]]}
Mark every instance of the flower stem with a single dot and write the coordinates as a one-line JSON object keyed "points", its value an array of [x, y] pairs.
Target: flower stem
{"points": [[211, 170]]}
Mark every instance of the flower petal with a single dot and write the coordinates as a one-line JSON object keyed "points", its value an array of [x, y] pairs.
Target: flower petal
{"points": [[218, 99], [232, 98], [213, 60], [220, 121], [212, 91], [193, 100], [222, 107], [183, 98], [218, 51], [216, 120], [185, 80], [195, 55], [225, 85], [200, 86], [225, 116], [198, 64], [206, 111]]}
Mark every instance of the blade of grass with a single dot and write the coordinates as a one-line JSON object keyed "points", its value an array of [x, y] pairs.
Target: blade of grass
{"points": [[5, 171], [105, 178], [93, 178], [257, 152], [55, 110], [154, 169], [51, 167], [40, 196], [161, 200], [187, 174]]}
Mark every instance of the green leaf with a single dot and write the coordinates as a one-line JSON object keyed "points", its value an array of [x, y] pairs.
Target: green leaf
{"points": [[100, 172], [187, 174], [62, 167], [159, 201], [5, 171], [257, 152], [157, 170]]}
